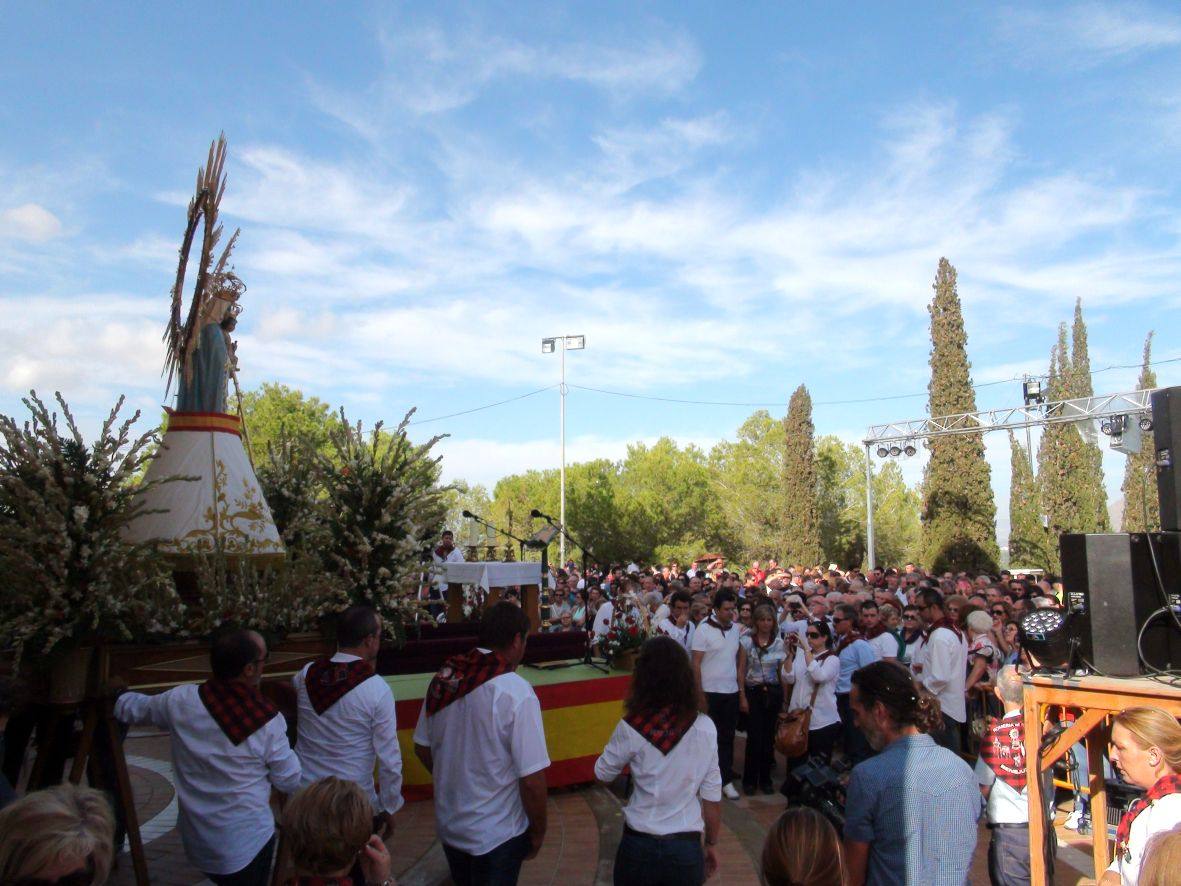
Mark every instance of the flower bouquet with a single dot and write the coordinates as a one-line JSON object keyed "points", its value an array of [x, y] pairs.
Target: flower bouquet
{"points": [[625, 636]]}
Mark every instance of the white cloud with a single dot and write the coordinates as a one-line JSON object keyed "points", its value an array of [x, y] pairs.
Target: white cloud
{"points": [[29, 222], [1088, 34]]}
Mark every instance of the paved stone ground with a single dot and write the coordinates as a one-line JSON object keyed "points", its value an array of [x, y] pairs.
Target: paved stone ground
{"points": [[585, 824]]}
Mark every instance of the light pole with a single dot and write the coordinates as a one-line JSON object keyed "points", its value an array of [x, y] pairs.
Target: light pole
{"points": [[548, 346]]}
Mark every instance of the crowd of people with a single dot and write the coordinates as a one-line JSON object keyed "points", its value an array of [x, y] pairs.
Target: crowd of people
{"points": [[902, 679]]}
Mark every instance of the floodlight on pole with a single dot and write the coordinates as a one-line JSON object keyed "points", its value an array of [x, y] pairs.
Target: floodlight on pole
{"points": [[548, 346]]}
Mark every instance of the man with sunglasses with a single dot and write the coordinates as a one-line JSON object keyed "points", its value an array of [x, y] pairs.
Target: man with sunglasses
{"points": [[854, 653], [229, 747]]}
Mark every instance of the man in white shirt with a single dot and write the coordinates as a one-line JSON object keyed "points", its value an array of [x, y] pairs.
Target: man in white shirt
{"points": [[715, 666], [942, 667], [347, 722], [446, 552], [480, 736], [678, 625], [1001, 772], [229, 746]]}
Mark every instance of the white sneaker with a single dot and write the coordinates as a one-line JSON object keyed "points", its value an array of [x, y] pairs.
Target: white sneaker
{"points": [[730, 792], [1073, 820]]}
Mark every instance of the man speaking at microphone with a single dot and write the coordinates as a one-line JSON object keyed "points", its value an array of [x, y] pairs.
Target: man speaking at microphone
{"points": [[446, 552]]}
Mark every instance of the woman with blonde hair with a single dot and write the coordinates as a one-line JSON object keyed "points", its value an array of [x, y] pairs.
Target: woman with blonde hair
{"points": [[1162, 859], [1146, 748], [803, 849], [64, 834], [328, 835]]}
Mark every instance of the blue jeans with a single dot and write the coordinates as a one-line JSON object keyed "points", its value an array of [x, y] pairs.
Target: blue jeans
{"points": [[643, 860], [499, 867]]}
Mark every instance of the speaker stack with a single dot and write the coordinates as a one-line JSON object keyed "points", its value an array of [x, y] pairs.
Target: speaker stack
{"points": [[1119, 586]]}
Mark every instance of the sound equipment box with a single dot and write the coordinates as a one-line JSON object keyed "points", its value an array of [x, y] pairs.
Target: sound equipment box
{"points": [[1166, 432], [1112, 592]]}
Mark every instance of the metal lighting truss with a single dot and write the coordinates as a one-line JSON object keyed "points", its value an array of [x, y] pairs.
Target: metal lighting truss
{"points": [[1134, 404]]}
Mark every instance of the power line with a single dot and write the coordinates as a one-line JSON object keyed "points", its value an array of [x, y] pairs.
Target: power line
{"points": [[423, 421], [987, 384]]}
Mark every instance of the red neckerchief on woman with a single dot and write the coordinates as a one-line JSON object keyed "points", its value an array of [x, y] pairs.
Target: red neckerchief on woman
{"points": [[1002, 748], [462, 674], [239, 710], [847, 640], [1170, 784], [661, 728], [328, 681], [948, 623]]}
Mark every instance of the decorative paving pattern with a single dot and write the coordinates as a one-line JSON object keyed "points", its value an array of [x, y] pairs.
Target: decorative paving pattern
{"points": [[585, 825]]}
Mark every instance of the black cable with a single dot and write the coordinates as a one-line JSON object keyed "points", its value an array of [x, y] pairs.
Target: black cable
{"points": [[423, 421]]}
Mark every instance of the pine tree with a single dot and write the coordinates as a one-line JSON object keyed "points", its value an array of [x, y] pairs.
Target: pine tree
{"points": [[1090, 479], [801, 539], [1141, 505], [1062, 460], [959, 512], [1027, 536]]}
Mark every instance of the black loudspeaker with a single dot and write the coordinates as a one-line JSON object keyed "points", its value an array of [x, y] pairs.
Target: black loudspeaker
{"points": [[1166, 434], [1112, 592]]}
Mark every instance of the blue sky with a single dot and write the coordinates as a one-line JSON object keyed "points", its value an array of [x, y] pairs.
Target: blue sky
{"points": [[726, 199]]}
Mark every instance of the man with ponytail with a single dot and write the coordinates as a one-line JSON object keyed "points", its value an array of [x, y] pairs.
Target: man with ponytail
{"points": [[910, 811]]}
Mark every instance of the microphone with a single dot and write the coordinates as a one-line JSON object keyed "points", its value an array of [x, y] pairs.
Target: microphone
{"points": [[536, 514], [468, 515]]}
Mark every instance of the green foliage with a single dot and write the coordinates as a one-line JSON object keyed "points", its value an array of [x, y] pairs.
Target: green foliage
{"points": [[841, 484], [748, 475], [1077, 383], [274, 414], [1029, 542], [801, 537], [959, 512], [1141, 504], [69, 576]]}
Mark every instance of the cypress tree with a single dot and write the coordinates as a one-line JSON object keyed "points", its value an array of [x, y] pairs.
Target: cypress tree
{"points": [[1090, 478], [1027, 537], [1141, 505], [959, 512], [1062, 460], [801, 538]]}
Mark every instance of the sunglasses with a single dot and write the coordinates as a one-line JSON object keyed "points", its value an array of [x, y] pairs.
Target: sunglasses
{"points": [[998, 612], [812, 635], [910, 618], [838, 618]]}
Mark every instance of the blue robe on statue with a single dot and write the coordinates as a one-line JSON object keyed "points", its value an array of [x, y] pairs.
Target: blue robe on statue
{"points": [[206, 389]]}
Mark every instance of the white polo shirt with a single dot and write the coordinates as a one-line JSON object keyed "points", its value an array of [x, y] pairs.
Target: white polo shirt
{"points": [[481, 746], [684, 635], [348, 738], [669, 787], [944, 660], [719, 666], [223, 789]]}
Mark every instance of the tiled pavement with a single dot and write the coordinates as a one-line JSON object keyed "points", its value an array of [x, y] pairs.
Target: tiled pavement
{"points": [[584, 828]]}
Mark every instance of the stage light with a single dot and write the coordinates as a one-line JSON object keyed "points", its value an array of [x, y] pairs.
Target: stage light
{"points": [[547, 345], [1106, 426], [883, 452], [1045, 635], [909, 450], [1146, 423], [895, 451], [1032, 390]]}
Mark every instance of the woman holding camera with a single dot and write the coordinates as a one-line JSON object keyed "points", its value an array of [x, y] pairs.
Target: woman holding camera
{"points": [[812, 669]]}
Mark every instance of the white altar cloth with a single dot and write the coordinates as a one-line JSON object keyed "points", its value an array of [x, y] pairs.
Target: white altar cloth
{"points": [[491, 574]]}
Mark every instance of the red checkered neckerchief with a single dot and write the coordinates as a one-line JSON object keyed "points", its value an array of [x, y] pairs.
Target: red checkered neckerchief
{"points": [[239, 710], [462, 674], [661, 728], [847, 640], [1002, 748], [329, 681], [1170, 784], [948, 623]]}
